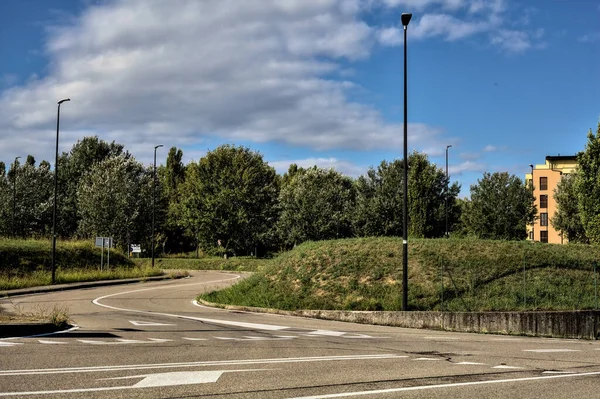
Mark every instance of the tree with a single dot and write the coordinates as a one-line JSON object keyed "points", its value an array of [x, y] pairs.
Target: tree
{"points": [[378, 210], [426, 198], [230, 197], [82, 158], [114, 199], [587, 186], [316, 204], [379, 201], [567, 218], [500, 208], [172, 176]]}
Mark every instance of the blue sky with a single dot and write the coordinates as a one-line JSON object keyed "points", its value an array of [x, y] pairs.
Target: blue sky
{"points": [[506, 83]]}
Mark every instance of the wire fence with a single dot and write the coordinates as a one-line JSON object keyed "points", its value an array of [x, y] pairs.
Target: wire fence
{"points": [[529, 287]]}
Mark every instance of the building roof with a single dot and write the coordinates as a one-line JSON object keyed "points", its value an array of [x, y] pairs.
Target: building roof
{"points": [[552, 158]]}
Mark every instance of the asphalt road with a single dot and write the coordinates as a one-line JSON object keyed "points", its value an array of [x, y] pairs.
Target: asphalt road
{"points": [[151, 341]]}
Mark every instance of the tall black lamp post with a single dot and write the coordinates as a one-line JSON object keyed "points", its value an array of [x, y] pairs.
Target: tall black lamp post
{"points": [[154, 199], [405, 18], [446, 196], [533, 201], [14, 196], [55, 190]]}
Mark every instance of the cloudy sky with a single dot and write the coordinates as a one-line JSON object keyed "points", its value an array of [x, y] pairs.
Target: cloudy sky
{"points": [[505, 83]]}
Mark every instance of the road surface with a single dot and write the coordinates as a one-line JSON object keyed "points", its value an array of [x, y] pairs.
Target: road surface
{"points": [[152, 341]]}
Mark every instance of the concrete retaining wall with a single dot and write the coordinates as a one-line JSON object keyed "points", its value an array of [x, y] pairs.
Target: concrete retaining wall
{"points": [[576, 324]]}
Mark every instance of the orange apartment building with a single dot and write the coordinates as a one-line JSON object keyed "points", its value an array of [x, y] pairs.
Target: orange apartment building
{"points": [[545, 178]]}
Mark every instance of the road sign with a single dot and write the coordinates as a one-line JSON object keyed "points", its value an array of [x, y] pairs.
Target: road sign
{"points": [[136, 248]]}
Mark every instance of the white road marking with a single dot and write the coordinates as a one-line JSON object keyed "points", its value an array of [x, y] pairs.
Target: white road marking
{"points": [[556, 372], [326, 333], [268, 327], [442, 386], [471, 363], [148, 323], [7, 343], [43, 341], [196, 364], [361, 336], [195, 339], [427, 358], [173, 378], [148, 381], [255, 326], [551, 350], [503, 366]]}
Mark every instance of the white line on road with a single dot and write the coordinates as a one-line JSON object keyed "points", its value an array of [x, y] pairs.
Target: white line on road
{"points": [[44, 341], [471, 363], [551, 350], [197, 364], [503, 366], [427, 358], [7, 343], [442, 386], [148, 323], [195, 339], [268, 327]]}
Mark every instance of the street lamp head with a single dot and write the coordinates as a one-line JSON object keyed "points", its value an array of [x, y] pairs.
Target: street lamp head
{"points": [[64, 100], [405, 18], [158, 146], [448, 146], [17, 158]]}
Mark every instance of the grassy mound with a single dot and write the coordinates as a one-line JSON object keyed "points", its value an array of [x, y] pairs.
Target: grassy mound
{"points": [[366, 274], [25, 256], [238, 263], [27, 263]]}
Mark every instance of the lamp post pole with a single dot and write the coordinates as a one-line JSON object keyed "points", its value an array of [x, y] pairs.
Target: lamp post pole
{"points": [[14, 197], [446, 196], [533, 200], [55, 190], [154, 199], [405, 18]]}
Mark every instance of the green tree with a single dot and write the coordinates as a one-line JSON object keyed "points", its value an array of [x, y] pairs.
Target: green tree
{"points": [[567, 218], [378, 210], [500, 207], [72, 166], [172, 176], [114, 200], [316, 204], [426, 198], [379, 201], [230, 196], [587, 186]]}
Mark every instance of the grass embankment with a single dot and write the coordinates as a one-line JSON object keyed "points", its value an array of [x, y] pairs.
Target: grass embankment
{"points": [[366, 274], [27, 263], [237, 263]]}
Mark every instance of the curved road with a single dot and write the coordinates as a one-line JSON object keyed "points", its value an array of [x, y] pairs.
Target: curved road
{"points": [[151, 341]]}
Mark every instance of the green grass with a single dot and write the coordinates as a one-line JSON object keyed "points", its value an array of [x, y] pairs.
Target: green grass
{"points": [[238, 263], [23, 256], [366, 274], [63, 276], [27, 263]]}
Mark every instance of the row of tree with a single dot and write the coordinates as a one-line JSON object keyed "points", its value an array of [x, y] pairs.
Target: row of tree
{"points": [[231, 200]]}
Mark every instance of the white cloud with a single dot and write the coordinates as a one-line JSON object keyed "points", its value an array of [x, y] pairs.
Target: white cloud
{"points": [[490, 148], [467, 166], [345, 167], [590, 37], [144, 72], [511, 40]]}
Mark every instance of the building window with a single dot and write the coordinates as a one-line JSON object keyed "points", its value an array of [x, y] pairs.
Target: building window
{"points": [[531, 235], [543, 236], [543, 201], [543, 183], [543, 219]]}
